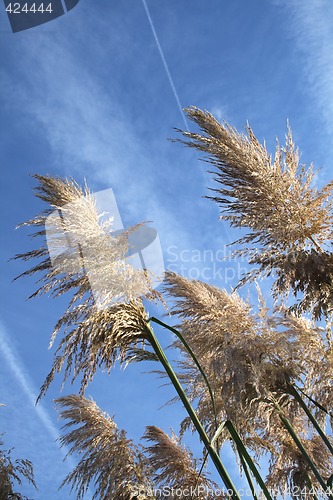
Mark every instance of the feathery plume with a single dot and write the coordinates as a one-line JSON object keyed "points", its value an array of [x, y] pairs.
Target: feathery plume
{"points": [[174, 466], [98, 340], [109, 462], [289, 222], [251, 361], [289, 471], [105, 315], [80, 247], [13, 471]]}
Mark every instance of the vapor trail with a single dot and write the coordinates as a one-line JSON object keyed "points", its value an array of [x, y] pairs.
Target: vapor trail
{"points": [[165, 64], [22, 378]]}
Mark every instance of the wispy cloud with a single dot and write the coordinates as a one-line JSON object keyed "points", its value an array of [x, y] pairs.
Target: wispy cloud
{"points": [[22, 378], [31, 427], [90, 132], [310, 25]]}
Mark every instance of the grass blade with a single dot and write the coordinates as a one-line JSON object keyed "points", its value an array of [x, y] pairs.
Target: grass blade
{"points": [[298, 443], [244, 453], [322, 408], [311, 418], [196, 422], [191, 353], [248, 476]]}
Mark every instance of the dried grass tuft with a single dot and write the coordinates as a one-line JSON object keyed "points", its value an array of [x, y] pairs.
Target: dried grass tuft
{"points": [[13, 471], [99, 339], [289, 221], [109, 462], [251, 360], [105, 315], [174, 466]]}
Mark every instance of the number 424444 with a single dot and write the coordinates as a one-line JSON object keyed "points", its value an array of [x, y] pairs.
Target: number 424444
{"points": [[17, 8]]}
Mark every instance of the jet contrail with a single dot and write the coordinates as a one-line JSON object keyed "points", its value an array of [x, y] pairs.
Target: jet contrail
{"points": [[173, 87], [22, 378], [165, 64]]}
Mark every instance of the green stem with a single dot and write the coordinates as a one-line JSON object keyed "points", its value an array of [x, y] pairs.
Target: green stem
{"points": [[322, 408], [196, 422], [244, 453], [191, 353], [248, 476], [298, 443], [200, 472], [311, 418]]}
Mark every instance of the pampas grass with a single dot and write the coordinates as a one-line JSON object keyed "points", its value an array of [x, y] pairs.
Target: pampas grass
{"points": [[109, 461], [243, 370], [288, 221], [251, 360], [174, 466], [103, 321], [13, 471], [100, 339]]}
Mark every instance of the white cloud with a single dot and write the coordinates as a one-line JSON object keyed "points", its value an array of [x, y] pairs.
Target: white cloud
{"points": [[28, 427], [220, 112], [90, 132], [310, 25], [22, 379]]}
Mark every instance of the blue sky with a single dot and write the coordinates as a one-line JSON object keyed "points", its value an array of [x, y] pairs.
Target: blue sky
{"points": [[95, 94]]}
